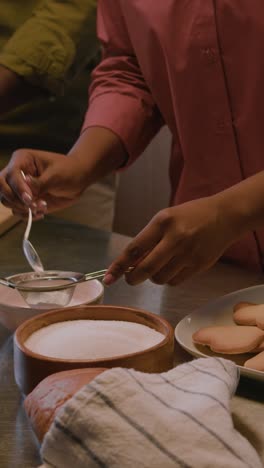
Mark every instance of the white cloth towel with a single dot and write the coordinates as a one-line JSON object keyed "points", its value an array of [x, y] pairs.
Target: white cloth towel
{"points": [[128, 419]]}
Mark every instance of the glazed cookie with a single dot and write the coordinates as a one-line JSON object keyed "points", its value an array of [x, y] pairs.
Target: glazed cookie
{"points": [[241, 305], [256, 363], [230, 339], [252, 314]]}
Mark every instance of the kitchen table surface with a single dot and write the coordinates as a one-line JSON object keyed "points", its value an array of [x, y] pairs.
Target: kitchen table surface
{"points": [[68, 246]]}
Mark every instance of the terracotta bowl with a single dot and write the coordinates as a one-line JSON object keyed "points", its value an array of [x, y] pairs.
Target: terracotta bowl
{"points": [[30, 368]]}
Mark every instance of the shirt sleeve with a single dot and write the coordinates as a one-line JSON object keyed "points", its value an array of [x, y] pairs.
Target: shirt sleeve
{"points": [[120, 99], [53, 44]]}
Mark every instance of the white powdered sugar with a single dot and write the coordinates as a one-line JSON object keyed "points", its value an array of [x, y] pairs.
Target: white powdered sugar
{"points": [[92, 339]]}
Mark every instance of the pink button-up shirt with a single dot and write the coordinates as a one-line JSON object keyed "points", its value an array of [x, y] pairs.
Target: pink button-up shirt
{"points": [[198, 66]]}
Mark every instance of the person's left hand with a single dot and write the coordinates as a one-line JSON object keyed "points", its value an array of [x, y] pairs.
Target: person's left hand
{"points": [[51, 182], [177, 243]]}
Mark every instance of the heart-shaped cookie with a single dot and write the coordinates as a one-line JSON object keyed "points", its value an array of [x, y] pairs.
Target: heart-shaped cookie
{"points": [[241, 305], [256, 362], [231, 339], [250, 314]]}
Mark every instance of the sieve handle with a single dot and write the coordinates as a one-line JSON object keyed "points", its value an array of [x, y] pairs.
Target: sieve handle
{"points": [[95, 275], [100, 274], [7, 283]]}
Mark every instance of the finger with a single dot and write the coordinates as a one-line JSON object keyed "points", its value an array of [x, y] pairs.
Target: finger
{"points": [[42, 207], [6, 203], [18, 183], [16, 211], [8, 197], [38, 217], [34, 184], [20, 214], [21, 167], [56, 203], [170, 270], [151, 264], [134, 252], [22, 209], [24, 215], [39, 207]]}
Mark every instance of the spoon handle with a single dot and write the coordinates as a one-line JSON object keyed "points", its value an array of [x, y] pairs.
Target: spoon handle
{"points": [[95, 275], [29, 224]]}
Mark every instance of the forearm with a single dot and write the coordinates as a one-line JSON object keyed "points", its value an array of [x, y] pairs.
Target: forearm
{"points": [[97, 152], [120, 99], [244, 203]]}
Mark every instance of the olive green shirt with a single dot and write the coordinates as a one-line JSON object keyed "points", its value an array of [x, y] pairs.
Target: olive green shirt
{"points": [[50, 44]]}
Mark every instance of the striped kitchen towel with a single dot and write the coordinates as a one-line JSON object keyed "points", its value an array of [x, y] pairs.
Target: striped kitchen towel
{"points": [[129, 419]]}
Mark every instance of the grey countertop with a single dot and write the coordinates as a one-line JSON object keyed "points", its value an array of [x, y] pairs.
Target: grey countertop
{"points": [[67, 246]]}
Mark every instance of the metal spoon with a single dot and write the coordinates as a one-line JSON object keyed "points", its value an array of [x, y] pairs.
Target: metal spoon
{"points": [[29, 251]]}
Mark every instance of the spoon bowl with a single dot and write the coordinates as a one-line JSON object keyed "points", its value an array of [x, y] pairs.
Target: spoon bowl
{"points": [[28, 249], [32, 256]]}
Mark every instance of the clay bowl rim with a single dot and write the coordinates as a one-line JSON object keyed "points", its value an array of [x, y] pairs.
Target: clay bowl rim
{"points": [[167, 338]]}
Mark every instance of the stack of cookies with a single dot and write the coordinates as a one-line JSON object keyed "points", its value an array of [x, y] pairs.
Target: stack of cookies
{"points": [[246, 337]]}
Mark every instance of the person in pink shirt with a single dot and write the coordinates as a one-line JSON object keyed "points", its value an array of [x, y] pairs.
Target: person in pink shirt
{"points": [[199, 68]]}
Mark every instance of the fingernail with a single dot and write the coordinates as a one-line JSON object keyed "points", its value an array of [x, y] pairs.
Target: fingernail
{"points": [[43, 205], [109, 279], [27, 199], [28, 179], [34, 209]]}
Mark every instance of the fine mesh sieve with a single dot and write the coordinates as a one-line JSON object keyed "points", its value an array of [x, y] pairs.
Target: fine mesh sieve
{"points": [[48, 288]]}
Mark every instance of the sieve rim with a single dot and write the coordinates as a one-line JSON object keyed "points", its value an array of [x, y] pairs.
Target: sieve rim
{"points": [[73, 277]]}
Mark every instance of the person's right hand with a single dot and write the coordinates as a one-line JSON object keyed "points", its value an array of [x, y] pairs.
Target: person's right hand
{"points": [[52, 182]]}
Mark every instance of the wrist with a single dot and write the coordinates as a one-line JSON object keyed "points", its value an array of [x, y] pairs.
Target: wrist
{"points": [[235, 209], [97, 152]]}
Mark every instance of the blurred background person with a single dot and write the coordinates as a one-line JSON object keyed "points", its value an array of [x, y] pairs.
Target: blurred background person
{"points": [[47, 51]]}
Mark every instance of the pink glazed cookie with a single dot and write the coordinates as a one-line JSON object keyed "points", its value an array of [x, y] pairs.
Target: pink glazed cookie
{"points": [[242, 305], [231, 339], [250, 314]]}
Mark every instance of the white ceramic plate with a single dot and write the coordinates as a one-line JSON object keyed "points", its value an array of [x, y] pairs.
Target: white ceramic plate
{"points": [[218, 312], [14, 310]]}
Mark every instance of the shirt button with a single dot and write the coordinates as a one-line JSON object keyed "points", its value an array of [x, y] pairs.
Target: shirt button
{"points": [[222, 125]]}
